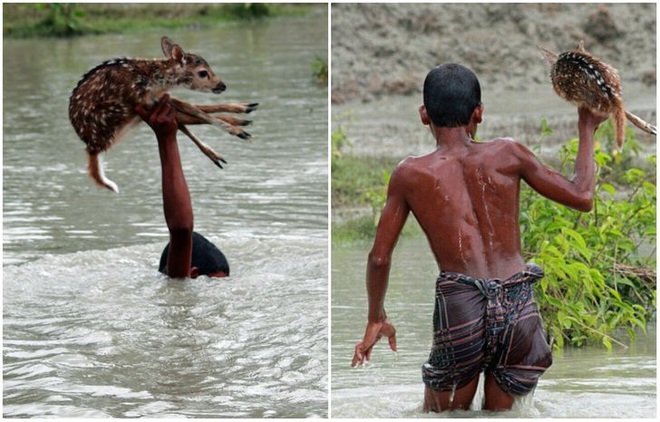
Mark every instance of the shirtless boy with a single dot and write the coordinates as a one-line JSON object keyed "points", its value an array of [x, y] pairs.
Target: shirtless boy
{"points": [[465, 196]]}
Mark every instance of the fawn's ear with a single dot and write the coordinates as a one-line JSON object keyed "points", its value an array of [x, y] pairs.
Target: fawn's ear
{"points": [[166, 44], [549, 56], [178, 55], [171, 50]]}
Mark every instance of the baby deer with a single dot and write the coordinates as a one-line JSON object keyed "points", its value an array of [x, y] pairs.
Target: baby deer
{"points": [[587, 81], [102, 106]]}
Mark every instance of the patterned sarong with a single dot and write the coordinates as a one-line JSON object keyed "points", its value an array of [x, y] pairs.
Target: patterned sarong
{"points": [[487, 325]]}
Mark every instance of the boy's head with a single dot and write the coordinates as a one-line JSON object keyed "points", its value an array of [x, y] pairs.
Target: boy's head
{"points": [[451, 93], [207, 259]]}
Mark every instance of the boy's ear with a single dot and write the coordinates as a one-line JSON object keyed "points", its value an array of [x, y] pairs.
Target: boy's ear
{"points": [[478, 114], [424, 115]]}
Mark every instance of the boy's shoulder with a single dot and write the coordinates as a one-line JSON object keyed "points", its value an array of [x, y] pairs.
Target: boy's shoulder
{"points": [[505, 145], [409, 167], [503, 142], [413, 162]]}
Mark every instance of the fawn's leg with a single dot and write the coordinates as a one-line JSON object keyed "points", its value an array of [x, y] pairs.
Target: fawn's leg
{"points": [[187, 119], [207, 150], [190, 109], [229, 108], [645, 126]]}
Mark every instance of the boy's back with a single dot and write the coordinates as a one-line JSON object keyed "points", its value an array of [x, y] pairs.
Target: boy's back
{"points": [[466, 200]]}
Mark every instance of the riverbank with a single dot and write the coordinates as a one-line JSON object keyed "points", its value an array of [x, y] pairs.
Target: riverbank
{"points": [[385, 50], [64, 20], [381, 53]]}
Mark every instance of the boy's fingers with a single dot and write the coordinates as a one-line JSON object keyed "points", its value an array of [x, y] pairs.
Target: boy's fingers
{"points": [[358, 357], [367, 355], [392, 341], [171, 111], [140, 110]]}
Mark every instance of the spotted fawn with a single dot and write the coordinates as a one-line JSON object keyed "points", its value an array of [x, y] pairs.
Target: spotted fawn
{"points": [[587, 81], [102, 106]]}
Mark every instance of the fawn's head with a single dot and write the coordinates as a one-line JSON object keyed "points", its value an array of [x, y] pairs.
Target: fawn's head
{"points": [[196, 74]]}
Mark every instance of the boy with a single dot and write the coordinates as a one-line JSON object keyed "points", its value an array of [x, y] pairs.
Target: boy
{"points": [[465, 196]]}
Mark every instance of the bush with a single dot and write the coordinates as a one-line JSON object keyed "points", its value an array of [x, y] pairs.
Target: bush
{"points": [[320, 71], [62, 20], [600, 266]]}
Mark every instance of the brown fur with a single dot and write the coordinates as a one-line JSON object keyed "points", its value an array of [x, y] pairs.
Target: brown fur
{"points": [[587, 81], [102, 106]]}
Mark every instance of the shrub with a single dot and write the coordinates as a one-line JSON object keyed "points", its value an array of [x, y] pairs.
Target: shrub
{"points": [[600, 266]]}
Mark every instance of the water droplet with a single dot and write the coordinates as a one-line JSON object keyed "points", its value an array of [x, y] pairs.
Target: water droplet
{"points": [[452, 395]]}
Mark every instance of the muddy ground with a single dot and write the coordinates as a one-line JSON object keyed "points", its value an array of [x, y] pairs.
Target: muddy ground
{"points": [[382, 52]]}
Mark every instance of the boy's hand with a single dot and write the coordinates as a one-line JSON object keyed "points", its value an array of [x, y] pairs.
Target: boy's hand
{"points": [[590, 119], [374, 332], [161, 117]]}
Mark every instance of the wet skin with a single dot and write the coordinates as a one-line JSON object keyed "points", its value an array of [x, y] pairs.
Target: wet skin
{"points": [[177, 205], [465, 196]]}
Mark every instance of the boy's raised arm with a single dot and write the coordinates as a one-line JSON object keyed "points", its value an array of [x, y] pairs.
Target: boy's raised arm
{"points": [[577, 192]]}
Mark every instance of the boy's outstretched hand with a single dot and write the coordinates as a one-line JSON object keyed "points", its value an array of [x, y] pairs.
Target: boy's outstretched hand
{"points": [[161, 117], [590, 119], [374, 332]]}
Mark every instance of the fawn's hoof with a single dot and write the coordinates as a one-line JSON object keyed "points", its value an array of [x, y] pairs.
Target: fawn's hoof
{"points": [[218, 160], [251, 107], [244, 135]]}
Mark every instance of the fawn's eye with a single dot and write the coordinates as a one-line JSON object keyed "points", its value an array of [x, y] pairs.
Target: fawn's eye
{"points": [[203, 74]]}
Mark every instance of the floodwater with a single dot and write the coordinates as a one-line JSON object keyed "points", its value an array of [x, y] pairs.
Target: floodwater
{"points": [[90, 328], [582, 383]]}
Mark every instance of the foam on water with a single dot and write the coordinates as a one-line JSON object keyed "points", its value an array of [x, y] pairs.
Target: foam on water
{"points": [[101, 333]]}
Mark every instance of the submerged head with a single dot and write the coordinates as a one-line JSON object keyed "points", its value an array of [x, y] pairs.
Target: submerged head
{"points": [[197, 75], [451, 94], [207, 259]]}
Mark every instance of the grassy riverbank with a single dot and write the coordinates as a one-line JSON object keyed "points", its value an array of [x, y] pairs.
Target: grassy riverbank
{"points": [[358, 190], [71, 19]]}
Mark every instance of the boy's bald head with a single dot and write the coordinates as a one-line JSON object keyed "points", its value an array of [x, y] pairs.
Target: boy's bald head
{"points": [[451, 93]]}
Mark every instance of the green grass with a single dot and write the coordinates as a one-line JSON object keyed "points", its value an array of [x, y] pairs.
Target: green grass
{"points": [[359, 182], [354, 177], [364, 229], [70, 19]]}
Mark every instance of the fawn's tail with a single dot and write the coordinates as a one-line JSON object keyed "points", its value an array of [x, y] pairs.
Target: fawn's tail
{"points": [[645, 126], [619, 126], [96, 173]]}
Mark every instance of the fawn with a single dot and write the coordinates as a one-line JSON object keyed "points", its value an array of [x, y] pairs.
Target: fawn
{"points": [[102, 106], [587, 81]]}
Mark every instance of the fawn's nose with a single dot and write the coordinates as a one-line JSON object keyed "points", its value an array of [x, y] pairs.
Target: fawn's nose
{"points": [[219, 88]]}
